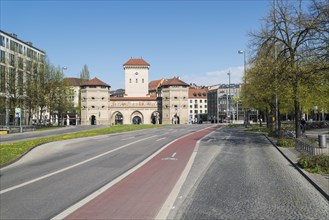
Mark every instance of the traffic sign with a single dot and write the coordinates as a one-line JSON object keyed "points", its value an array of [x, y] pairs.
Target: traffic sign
{"points": [[17, 112]]}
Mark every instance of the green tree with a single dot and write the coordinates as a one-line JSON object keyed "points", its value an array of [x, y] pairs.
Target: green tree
{"points": [[84, 74], [292, 32]]}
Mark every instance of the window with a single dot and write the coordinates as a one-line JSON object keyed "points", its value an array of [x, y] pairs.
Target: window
{"points": [[191, 106], [191, 101], [2, 79], [12, 79], [129, 80], [2, 56], [191, 111], [12, 59], [196, 111], [142, 80], [20, 82], [136, 80], [195, 101], [175, 97], [2, 41]]}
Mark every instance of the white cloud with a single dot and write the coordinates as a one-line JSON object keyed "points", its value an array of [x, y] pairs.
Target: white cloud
{"points": [[216, 77]]}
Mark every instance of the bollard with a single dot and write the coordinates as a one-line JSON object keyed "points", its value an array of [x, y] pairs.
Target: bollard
{"points": [[322, 140]]}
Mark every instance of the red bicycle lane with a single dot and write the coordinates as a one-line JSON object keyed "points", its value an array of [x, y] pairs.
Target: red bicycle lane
{"points": [[141, 194]]}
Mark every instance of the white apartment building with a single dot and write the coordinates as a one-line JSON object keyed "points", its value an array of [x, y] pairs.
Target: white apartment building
{"points": [[18, 58], [197, 104]]}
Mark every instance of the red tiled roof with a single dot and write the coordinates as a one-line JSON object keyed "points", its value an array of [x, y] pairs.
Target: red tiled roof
{"points": [[73, 81], [197, 93], [136, 62], [95, 82], [174, 82], [153, 85]]}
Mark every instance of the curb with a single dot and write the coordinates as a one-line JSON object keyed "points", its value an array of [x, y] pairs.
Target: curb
{"points": [[300, 171]]}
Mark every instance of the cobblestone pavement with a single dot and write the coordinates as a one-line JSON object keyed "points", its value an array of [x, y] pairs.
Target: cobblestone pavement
{"points": [[247, 179]]}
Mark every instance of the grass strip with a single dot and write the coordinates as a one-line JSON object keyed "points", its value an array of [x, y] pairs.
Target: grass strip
{"points": [[10, 152]]}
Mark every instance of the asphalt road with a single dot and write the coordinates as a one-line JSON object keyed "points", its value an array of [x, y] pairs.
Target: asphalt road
{"points": [[239, 175], [55, 176]]}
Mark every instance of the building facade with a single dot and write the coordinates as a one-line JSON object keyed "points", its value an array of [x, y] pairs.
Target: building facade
{"points": [[197, 104], [19, 60], [163, 101], [136, 77], [224, 103], [95, 102], [174, 101]]}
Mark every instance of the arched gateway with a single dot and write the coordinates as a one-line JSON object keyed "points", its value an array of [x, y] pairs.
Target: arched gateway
{"points": [[141, 103]]}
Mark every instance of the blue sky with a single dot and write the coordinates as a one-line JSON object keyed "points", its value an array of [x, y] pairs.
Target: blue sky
{"points": [[196, 40]]}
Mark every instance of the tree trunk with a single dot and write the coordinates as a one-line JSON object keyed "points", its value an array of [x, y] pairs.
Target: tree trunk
{"points": [[297, 119]]}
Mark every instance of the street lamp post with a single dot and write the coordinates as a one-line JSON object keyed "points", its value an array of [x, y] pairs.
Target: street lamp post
{"points": [[244, 76], [229, 95], [217, 102], [63, 68], [244, 63]]}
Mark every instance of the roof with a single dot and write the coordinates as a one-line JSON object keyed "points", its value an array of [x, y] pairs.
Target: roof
{"points": [[197, 92], [95, 82], [73, 81], [29, 44], [136, 62], [155, 84], [174, 82]]}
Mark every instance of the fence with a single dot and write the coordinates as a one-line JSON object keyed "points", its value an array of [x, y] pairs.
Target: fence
{"points": [[17, 129], [302, 146]]}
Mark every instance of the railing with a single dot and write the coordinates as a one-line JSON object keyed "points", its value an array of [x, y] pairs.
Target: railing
{"points": [[17, 129], [302, 146]]}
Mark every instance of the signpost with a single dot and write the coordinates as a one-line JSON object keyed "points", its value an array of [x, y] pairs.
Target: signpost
{"points": [[18, 114]]}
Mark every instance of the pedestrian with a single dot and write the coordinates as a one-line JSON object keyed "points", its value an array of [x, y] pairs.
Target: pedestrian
{"points": [[303, 125]]}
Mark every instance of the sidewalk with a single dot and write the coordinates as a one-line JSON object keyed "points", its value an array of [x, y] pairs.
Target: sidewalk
{"points": [[319, 181]]}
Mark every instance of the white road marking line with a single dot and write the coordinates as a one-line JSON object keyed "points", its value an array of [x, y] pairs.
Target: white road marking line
{"points": [[79, 204], [161, 139], [70, 167], [172, 157], [169, 203]]}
